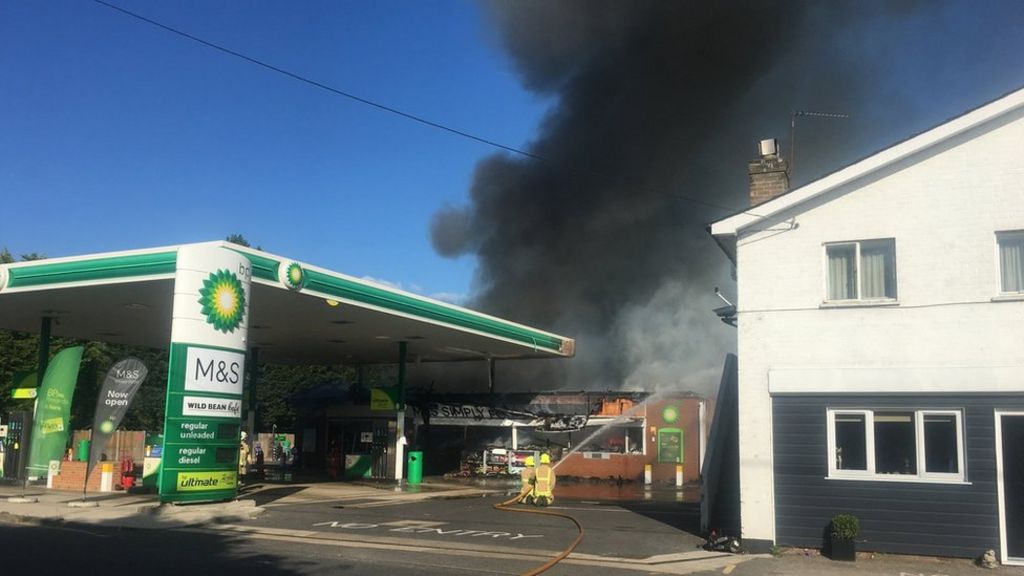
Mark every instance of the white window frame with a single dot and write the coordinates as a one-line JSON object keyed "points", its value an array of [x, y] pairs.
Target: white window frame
{"points": [[869, 438], [856, 261], [1010, 235]]}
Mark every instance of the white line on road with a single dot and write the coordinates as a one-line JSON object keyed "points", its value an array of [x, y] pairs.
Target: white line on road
{"points": [[681, 563]]}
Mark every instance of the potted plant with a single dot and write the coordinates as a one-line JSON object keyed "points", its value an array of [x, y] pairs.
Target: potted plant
{"points": [[844, 529]]}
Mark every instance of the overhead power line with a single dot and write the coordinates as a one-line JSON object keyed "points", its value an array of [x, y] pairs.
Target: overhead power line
{"points": [[384, 107]]}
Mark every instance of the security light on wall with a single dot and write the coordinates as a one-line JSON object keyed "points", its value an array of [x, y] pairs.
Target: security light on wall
{"points": [[725, 313]]}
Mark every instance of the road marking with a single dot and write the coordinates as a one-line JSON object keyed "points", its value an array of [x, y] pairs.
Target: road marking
{"points": [[679, 563], [291, 501], [413, 524], [457, 532], [729, 569]]}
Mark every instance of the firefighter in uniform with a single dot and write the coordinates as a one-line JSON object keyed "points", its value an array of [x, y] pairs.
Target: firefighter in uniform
{"points": [[543, 487], [243, 457], [527, 476]]}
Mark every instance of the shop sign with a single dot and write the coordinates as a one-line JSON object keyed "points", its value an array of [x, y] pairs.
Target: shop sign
{"points": [[206, 481], [211, 407], [211, 370], [201, 456], [384, 398]]}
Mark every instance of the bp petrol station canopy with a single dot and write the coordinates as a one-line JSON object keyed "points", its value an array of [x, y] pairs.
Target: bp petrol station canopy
{"points": [[298, 313]]}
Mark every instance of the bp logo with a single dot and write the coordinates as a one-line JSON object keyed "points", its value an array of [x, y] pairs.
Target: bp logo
{"points": [[292, 276], [223, 300], [670, 414]]}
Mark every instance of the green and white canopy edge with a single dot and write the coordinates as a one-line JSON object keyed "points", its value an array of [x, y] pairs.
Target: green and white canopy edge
{"points": [[126, 297]]}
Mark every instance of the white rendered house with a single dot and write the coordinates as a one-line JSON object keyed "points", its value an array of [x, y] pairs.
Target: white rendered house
{"points": [[881, 346]]}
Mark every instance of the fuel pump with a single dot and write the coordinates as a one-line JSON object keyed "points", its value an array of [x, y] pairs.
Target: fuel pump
{"points": [[16, 444], [379, 449]]}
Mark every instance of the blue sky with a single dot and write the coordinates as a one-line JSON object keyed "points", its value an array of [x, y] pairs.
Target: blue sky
{"points": [[119, 135]]}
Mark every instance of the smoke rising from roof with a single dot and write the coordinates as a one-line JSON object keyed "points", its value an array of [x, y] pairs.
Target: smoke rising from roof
{"points": [[659, 106]]}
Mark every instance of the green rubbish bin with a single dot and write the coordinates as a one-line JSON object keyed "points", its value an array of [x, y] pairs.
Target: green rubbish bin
{"points": [[83, 450], [415, 467]]}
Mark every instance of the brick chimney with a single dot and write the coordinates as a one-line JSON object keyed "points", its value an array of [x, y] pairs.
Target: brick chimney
{"points": [[769, 174]]}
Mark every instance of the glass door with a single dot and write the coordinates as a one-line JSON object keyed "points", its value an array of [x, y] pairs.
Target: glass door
{"points": [[1011, 456]]}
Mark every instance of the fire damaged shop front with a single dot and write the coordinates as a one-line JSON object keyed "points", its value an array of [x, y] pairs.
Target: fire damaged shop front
{"points": [[627, 435], [621, 435]]}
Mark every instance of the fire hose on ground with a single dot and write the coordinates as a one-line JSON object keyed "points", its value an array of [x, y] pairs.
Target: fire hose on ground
{"points": [[550, 563]]}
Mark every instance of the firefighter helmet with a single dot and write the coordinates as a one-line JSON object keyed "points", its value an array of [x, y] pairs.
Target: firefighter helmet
{"points": [[545, 459], [529, 461]]}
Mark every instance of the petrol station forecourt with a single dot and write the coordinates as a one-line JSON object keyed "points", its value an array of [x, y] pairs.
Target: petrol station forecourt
{"points": [[220, 309]]}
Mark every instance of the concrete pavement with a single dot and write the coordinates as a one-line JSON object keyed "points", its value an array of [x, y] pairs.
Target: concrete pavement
{"points": [[794, 562], [130, 510]]}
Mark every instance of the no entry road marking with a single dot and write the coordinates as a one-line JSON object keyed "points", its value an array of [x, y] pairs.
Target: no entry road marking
{"points": [[446, 532]]}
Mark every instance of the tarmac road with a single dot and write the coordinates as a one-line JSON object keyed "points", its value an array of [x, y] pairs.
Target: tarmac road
{"points": [[347, 528], [622, 530], [649, 537], [357, 529]]}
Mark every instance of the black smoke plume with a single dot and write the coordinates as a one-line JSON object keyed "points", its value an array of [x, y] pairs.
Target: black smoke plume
{"points": [[659, 106]]}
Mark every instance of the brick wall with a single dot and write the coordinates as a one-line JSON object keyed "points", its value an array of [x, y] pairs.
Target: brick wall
{"points": [[768, 177], [72, 475], [631, 466], [122, 443]]}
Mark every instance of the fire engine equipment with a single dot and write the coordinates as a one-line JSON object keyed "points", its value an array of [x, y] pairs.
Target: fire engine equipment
{"points": [[127, 472], [504, 507]]}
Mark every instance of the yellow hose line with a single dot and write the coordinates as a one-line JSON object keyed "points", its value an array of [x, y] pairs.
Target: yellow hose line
{"points": [[556, 559]]}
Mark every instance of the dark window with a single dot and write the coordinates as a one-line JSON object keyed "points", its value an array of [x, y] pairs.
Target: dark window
{"points": [[851, 450], [895, 443], [940, 447]]}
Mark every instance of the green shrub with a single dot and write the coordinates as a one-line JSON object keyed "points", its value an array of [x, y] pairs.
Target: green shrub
{"points": [[845, 527]]}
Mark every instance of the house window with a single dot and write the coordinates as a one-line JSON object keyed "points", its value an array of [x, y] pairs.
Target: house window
{"points": [[1011, 262], [851, 451], [902, 445], [863, 270]]}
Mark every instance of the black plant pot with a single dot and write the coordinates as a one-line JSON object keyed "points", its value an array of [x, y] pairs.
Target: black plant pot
{"points": [[845, 550]]}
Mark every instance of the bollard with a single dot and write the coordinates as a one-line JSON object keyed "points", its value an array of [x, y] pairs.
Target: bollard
{"points": [[106, 477], [679, 475], [51, 471], [647, 474]]}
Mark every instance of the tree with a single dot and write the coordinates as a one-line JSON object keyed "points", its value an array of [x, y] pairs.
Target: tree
{"points": [[238, 239], [241, 241], [5, 256], [278, 383], [32, 256]]}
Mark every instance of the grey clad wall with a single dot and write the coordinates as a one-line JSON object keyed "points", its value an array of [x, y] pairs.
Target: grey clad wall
{"points": [[898, 517]]}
